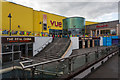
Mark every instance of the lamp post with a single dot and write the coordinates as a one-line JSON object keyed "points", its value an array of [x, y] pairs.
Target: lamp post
{"points": [[9, 16]]}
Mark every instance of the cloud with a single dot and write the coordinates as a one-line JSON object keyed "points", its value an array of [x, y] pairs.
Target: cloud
{"points": [[91, 10]]}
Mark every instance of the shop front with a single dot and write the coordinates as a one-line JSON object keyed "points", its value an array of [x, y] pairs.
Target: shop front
{"points": [[87, 42], [13, 44], [103, 29]]}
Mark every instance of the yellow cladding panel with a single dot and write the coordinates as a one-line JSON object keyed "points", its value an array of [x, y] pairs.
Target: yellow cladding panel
{"points": [[0, 14], [89, 23], [21, 15], [55, 19], [36, 21]]}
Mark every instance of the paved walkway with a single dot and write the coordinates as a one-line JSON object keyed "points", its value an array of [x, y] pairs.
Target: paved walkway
{"points": [[108, 69]]}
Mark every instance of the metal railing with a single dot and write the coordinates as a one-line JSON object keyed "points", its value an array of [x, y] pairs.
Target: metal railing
{"points": [[10, 56], [65, 66]]}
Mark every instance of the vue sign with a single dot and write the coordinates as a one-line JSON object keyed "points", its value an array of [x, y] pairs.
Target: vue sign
{"points": [[56, 23]]}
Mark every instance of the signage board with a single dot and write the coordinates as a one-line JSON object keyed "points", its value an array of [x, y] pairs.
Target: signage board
{"points": [[102, 26], [57, 24], [17, 39], [88, 38]]}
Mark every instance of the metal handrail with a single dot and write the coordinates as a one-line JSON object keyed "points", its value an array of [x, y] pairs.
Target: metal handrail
{"points": [[70, 62], [54, 60], [10, 52], [15, 52], [42, 45]]}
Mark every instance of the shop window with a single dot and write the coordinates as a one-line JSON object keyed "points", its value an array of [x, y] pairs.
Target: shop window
{"points": [[30, 49], [105, 32], [113, 32], [6, 48], [97, 32]]}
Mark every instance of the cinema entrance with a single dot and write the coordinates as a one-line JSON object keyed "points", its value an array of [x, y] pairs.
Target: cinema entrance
{"points": [[14, 44]]}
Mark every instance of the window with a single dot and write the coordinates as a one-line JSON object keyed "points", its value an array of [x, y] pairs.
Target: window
{"points": [[105, 32]]}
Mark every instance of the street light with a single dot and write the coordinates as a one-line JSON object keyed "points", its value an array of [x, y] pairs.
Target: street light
{"points": [[10, 22]]}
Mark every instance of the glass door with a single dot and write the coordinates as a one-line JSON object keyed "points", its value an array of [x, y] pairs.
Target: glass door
{"points": [[30, 50], [16, 48], [23, 50], [6, 57]]}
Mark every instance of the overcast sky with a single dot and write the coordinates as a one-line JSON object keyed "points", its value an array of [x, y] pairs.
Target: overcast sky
{"points": [[92, 10]]}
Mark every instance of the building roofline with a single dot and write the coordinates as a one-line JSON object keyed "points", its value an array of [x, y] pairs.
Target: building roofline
{"points": [[103, 22], [52, 13], [92, 21], [18, 4]]}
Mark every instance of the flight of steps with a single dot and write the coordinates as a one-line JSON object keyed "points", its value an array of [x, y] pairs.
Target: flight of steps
{"points": [[53, 51]]}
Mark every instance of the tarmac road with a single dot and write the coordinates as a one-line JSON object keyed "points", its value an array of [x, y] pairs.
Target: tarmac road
{"points": [[110, 69]]}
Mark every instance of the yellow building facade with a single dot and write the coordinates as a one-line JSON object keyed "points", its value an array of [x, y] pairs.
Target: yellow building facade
{"points": [[0, 17], [21, 19], [90, 22], [27, 22], [50, 21]]}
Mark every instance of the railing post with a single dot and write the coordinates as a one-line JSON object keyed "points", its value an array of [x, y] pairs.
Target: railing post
{"points": [[12, 56], [19, 55], [42, 69], [86, 57], [96, 55], [70, 65], [33, 72]]}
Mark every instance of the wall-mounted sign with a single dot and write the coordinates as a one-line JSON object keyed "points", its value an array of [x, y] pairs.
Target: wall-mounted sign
{"points": [[88, 38], [85, 38], [44, 19], [57, 24], [102, 26], [44, 22], [14, 32], [17, 39], [5, 32]]}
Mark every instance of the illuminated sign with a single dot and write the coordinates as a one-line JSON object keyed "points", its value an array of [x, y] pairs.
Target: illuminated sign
{"points": [[88, 38], [56, 23], [102, 26], [17, 39]]}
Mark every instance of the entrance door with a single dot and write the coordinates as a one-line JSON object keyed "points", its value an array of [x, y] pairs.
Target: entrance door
{"points": [[86, 44], [91, 43], [6, 57], [16, 48], [22, 49], [80, 44], [30, 50]]}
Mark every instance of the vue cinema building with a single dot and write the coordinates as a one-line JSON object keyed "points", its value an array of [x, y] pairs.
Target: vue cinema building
{"points": [[22, 28], [28, 22]]}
